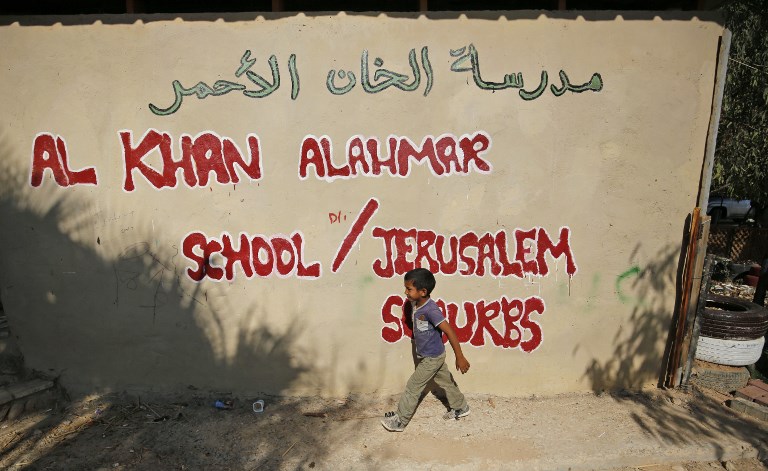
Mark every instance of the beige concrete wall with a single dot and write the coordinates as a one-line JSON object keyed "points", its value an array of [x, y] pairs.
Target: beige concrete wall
{"points": [[99, 253]]}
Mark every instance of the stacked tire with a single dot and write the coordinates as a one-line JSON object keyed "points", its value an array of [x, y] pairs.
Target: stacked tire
{"points": [[732, 331]]}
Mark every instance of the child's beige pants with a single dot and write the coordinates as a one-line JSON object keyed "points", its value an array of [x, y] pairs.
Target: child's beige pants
{"points": [[426, 369]]}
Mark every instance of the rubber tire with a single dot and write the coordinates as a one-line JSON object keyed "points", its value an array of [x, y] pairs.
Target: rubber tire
{"points": [[734, 333], [706, 375], [729, 352], [736, 319]]}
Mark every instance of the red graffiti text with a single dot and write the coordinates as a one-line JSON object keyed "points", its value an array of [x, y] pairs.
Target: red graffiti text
{"points": [[506, 323], [258, 255], [361, 221], [200, 155], [444, 155], [49, 152], [472, 253], [337, 217]]}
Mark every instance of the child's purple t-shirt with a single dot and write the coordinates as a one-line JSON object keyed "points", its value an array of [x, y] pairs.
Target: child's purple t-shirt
{"points": [[428, 339]]}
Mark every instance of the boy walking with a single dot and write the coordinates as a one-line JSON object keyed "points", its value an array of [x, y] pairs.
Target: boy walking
{"points": [[428, 328]]}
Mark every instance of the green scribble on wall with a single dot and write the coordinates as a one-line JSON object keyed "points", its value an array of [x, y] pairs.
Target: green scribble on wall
{"points": [[366, 280], [632, 272]]}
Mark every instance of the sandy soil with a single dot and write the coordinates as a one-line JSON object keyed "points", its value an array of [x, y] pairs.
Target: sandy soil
{"points": [[735, 465], [117, 433]]}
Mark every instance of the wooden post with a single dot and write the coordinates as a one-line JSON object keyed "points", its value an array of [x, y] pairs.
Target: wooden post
{"points": [[691, 340], [714, 120], [674, 372], [685, 337]]}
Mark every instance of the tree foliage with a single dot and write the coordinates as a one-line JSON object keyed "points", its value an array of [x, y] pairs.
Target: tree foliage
{"points": [[741, 157]]}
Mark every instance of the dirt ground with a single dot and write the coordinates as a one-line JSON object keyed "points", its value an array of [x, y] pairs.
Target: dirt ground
{"points": [[113, 432], [735, 465]]}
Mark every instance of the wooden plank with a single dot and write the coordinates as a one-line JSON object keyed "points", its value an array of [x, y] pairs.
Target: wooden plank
{"points": [[700, 285], [679, 375], [714, 120], [674, 372]]}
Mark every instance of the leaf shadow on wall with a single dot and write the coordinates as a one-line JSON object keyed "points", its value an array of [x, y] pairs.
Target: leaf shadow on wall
{"points": [[637, 360], [154, 336]]}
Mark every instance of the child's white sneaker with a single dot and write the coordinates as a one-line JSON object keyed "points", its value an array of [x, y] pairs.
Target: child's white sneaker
{"points": [[391, 422], [456, 414]]}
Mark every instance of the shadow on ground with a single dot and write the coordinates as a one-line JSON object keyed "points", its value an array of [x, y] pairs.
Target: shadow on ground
{"points": [[158, 331], [703, 419], [638, 360]]}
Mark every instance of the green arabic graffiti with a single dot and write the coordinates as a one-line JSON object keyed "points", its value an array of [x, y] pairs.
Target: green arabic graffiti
{"points": [[383, 78], [222, 87], [515, 80], [373, 81]]}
